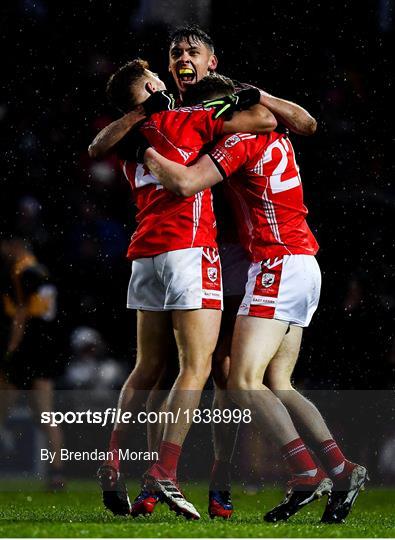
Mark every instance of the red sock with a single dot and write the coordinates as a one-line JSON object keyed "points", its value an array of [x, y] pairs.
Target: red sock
{"points": [[300, 462], [333, 459], [114, 449], [166, 466], [220, 475]]}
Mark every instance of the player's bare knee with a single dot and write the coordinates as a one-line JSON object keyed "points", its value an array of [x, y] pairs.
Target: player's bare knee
{"points": [[195, 372], [149, 363], [250, 380], [196, 362], [237, 389], [144, 375], [278, 382]]}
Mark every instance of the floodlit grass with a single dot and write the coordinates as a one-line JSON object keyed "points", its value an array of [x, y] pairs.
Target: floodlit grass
{"points": [[78, 512]]}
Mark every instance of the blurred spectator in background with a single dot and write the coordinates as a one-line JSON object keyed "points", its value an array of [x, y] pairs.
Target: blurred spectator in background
{"points": [[386, 459], [90, 368], [29, 353]]}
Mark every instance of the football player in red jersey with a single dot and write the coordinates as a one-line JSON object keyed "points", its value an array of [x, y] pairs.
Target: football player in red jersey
{"points": [[176, 274], [191, 57], [281, 295]]}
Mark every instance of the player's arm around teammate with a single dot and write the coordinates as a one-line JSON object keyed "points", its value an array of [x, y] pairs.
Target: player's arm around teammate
{"points": [[109, 136], [245, 374], [186, 181], [257, 119], [181, 180], [248, 374], [291, 115]]}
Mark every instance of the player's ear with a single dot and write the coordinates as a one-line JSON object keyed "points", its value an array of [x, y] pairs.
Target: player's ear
{"points": [[213, 63], [149, 87]]}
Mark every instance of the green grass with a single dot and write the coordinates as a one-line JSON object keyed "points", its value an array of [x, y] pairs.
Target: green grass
{"points": [[78, 513]]}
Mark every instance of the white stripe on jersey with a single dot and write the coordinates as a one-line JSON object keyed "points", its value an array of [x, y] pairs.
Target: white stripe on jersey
{"points": [[246, 212], [268, 206], [267, 156], [270, 214], [218, 155], [258, 169], [125, 171], [197, 211], [245, 136]]}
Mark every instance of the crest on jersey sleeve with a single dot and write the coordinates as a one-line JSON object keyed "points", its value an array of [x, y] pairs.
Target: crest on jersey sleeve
{"points": [[267, 280], [212, 273], [231, 141]]}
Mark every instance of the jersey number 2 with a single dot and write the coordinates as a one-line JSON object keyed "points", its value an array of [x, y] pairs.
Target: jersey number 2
{"points": [[276, 183]]}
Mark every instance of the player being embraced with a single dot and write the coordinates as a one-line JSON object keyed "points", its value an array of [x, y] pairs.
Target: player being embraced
{"points": [[192, 57], [175, 284], [281, 295]]}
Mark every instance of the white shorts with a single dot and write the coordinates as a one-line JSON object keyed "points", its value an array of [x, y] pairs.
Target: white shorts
{"points": [[181, 279], [285, 288]]}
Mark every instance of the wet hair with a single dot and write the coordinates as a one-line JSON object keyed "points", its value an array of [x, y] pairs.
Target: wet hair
{"points": [[118, 87], [209, 87], [191, 34]]}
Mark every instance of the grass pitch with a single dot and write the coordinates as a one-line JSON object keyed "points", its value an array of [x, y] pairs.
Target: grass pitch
{"points": [[78, 512]]}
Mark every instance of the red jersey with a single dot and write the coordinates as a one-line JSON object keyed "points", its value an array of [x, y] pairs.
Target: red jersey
{"points": [[267, 195], [165, 221]]}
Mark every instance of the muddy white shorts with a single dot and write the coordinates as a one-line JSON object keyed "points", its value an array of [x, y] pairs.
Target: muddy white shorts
{"points": [[284, 288], [181, 279]]}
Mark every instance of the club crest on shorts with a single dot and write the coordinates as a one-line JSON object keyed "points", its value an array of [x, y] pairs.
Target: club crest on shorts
{"points": [[212, 273], [267, 280]]}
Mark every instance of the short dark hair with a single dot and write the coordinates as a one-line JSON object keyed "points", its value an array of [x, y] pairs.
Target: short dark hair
{"points": [[209, 87], [191, 33], [118, 85]]}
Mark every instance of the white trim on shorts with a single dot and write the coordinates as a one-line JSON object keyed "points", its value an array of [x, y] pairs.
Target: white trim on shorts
{"points": [[182, 279], [285, 289]]}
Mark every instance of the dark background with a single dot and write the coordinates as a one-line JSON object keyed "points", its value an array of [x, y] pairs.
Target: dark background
{"points": [[334, 58]]}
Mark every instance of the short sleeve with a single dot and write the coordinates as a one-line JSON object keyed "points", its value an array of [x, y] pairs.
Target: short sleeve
{"points": [[231, 152]]}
